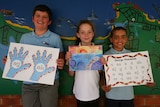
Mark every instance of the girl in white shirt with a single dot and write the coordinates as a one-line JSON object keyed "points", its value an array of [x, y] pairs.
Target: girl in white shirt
{"points": [[86, 84]]}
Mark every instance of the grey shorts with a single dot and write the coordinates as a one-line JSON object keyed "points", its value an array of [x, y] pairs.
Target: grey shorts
{"points": [[40, 95]]}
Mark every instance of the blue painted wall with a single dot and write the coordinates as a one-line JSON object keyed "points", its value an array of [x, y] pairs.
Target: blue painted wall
{"points": [[67, 13]]}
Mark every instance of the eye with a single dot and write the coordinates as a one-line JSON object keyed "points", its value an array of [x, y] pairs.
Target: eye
{"points": [[45, 17], [115, 37], [81, 32], [37, 16], [124, 37]]}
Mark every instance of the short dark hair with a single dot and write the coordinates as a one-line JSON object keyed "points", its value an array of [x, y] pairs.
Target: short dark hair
{"points": [[43, 8], [117, 28]]}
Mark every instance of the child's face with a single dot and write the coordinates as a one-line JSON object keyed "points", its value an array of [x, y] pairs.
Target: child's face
{"points": [[119, 39], [41, 20], [85, 34]]}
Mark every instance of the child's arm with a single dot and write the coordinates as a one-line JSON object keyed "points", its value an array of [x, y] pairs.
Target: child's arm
{"points": [[104, 86], [60, 60], [4, 59], [67, 57], [102, 60]]}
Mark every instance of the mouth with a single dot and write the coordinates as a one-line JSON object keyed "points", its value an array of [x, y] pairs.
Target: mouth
{"points": [[86, 38], [120, 43], [40, 23]]}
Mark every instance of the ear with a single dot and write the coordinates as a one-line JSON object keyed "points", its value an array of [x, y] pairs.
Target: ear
{"points": [[111, 39], [127, 38], [77, 34], [32, 19], [49, 22]]}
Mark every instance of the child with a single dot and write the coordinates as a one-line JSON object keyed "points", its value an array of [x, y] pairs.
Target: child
{"points": [[34, 94], [86, 84], [119, 96]]}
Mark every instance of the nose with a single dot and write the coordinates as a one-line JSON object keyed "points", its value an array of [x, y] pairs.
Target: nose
{"points": [[87, 34]]}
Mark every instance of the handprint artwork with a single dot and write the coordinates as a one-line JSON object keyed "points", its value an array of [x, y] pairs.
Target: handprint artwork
{"points": [[40, 66], [16, 64], [31, 63]]}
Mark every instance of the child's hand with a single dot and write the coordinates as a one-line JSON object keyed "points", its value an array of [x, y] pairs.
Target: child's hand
{"points": [[60, 63], [68, 55], [4, 59], [150, 84], [102, 60], [106, 88]]}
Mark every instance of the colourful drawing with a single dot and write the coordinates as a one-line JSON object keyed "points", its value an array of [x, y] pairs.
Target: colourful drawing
{"points": [[128, 69], [97, 49], [37, 64], [85, 58]]}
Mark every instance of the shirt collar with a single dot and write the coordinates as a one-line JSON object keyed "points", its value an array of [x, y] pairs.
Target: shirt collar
{"points": [[118, 52], [80, 44], [42, 36]]}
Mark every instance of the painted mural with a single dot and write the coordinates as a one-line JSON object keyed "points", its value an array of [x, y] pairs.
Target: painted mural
{"points": [[143, 32]]}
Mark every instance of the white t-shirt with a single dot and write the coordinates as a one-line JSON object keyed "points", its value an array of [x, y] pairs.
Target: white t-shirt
{"points": [[86, 85]]}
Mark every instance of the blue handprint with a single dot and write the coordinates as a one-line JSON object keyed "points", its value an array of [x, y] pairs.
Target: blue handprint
{"points": [[40, 66], [16, 64]]}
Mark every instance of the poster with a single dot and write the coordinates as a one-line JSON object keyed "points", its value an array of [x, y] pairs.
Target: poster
{"points": [[128, 69], [85, 58], [31, 63]]}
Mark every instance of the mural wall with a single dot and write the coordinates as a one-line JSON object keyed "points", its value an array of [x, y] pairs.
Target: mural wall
{"points": [[141, 21]]}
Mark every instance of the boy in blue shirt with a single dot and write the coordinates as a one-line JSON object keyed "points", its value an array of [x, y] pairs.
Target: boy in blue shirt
{"points": [[34, 94], [119, 96], [40, 95]]}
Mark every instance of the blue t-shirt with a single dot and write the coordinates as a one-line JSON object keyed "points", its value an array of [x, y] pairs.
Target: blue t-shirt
{"points": [[49, 39], [120, 93]]}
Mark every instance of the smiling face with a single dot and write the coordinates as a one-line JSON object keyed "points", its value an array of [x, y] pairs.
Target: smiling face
{"points": [[41, 20], [85, 34], [119, 39]]}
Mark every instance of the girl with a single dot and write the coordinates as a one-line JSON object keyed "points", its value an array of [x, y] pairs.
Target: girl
{"points": [[86, 84]]}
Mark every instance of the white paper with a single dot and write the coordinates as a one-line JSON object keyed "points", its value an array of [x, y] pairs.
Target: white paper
{"points": [[31, 63], [128, 69]]}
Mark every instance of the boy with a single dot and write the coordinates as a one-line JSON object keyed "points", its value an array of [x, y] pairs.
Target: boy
{"points": [[34, 94], [119, 96]]}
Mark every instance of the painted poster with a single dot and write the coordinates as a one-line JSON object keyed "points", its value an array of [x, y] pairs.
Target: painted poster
{"points": [[31, 63], [85, 58], [128, 69]]}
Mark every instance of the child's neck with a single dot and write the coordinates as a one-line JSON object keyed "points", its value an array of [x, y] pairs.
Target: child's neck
{"points": [[119, 50], [40, 32], [86, 44]]}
